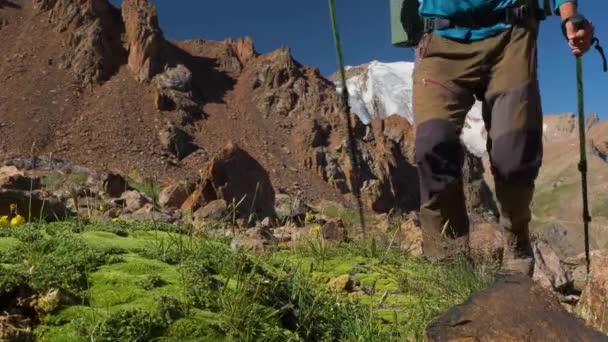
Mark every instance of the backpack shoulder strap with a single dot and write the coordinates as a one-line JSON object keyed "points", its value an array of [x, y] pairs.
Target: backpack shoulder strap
{"points": [[548, 7]]}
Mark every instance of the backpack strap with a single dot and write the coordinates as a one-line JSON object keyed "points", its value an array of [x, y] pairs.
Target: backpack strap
{"points": [[548, 7]]}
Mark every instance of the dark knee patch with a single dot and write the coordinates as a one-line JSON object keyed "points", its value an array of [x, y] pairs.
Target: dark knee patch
{"points": [[517, 157], [516, 132], [439, 156]]}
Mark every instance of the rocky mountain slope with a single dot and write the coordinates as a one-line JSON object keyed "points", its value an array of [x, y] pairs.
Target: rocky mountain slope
{"points": [[558, 202], [102, 87]]}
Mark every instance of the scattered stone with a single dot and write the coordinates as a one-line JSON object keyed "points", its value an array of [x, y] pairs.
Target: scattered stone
{"points": [[176, 141], [266, 223], [486, 241], [214, 210], [334, 230], [284, 234], [548, 269], [343, 283], [287, 207], [264, 234], [248, 244], [513, 308], [134, 200], [148, 214], [174, 195]]}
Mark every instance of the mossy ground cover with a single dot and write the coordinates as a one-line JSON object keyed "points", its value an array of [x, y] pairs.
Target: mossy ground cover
{"points": [[135, 283]]}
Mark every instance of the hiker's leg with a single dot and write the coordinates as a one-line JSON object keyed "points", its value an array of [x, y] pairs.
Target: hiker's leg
{"points": [[441, 100], [516, 141]]}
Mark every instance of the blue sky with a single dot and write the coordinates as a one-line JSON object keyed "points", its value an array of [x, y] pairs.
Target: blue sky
{"points": [[304, 26]]}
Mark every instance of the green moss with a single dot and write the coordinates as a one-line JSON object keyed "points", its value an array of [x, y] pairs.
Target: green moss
{"points": [[119, 284], [8, 244], [273, 297]]}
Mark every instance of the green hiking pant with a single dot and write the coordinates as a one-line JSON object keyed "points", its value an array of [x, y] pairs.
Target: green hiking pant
{"points": [[501, 72]]}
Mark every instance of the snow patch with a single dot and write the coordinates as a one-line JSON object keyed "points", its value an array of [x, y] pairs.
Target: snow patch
{"points": [[385, 89]]}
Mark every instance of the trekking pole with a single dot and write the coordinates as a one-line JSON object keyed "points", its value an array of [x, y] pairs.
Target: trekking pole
{"points": [[351, 144], [582, 165], [579, 22]]}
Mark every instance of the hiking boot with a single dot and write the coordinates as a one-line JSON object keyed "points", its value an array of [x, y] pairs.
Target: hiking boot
{"points": [[518, 256]]}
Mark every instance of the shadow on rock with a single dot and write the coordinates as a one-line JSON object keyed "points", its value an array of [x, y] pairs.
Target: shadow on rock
{"points": [[9, 4], [208, 83]]}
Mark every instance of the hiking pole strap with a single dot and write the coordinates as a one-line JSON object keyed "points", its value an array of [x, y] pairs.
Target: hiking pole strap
{"points": [[600, 50], [579, 21]]}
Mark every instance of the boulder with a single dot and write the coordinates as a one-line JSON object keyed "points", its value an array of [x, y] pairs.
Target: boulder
{"points": [[176, 141], [288, 207], [593, 304], [235, 177], [214, 210], [513, 308], [174, 195], [134, 200], [178, 78], [148, 214], [548, 268]]}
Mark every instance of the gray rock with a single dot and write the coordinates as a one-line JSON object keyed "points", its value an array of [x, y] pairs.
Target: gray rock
{"points": [[178, 78], [287, 207], [214, 210], [134, 200], [266, 223], [260, 233], [249, 244], [176, 141], [548, 269], [148, 214]]}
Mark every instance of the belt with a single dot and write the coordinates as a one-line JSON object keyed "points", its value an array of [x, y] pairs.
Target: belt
{"points": [[511, 15]]}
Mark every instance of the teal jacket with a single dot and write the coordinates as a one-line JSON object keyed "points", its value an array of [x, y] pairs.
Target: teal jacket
{"points": [[448, 8]]}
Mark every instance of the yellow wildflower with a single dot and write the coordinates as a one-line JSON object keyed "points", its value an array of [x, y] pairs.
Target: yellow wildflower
{"points": [[17, 220], [315, 228], [309, 217]]}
